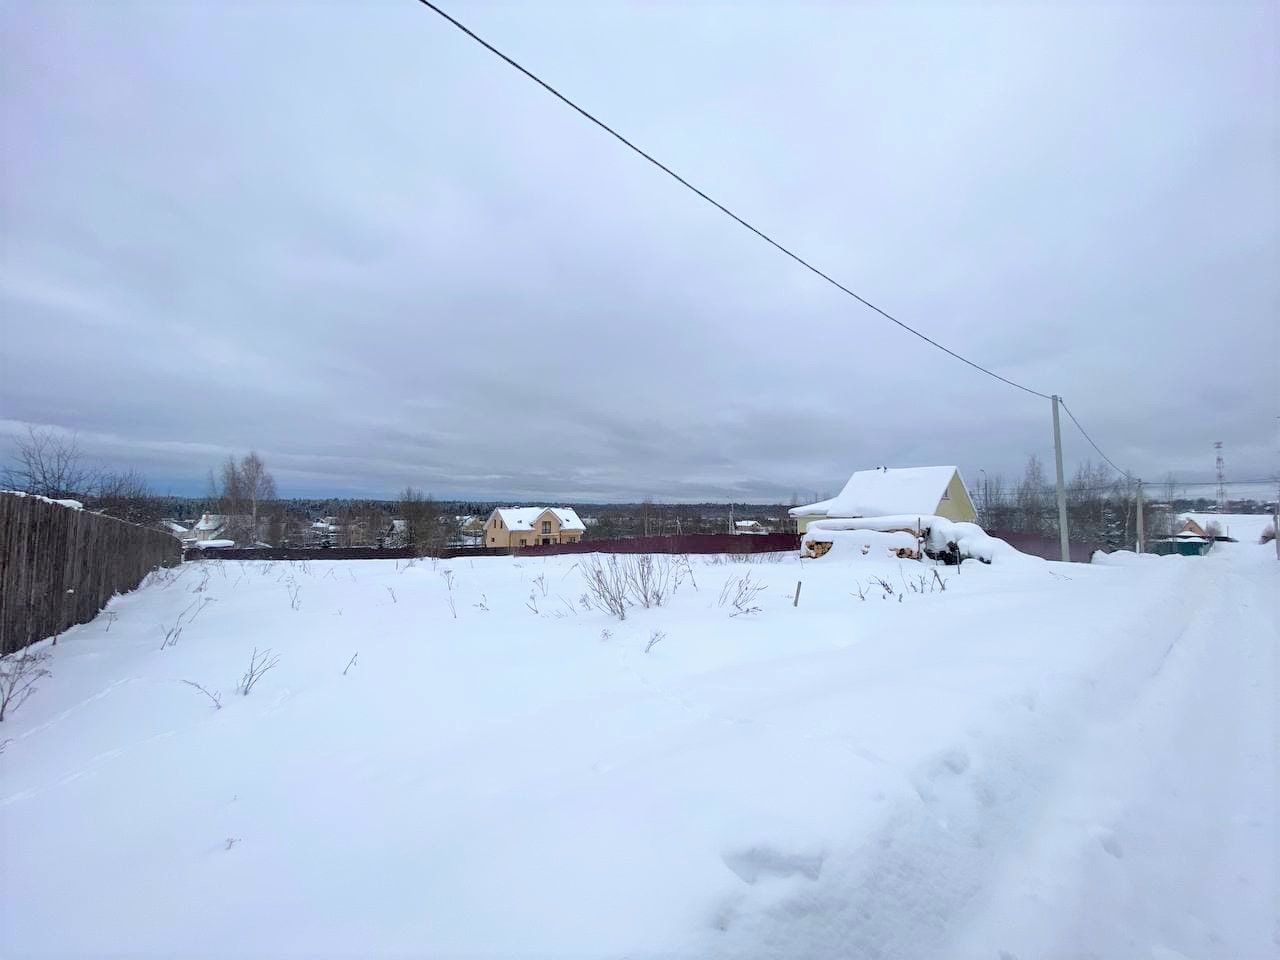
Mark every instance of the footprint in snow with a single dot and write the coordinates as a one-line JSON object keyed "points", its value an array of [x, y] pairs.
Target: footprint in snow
{"points": [[756, 862]]}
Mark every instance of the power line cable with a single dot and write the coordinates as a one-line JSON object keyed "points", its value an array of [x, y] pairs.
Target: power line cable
{"points": [[721, 207], [1084, 433]]}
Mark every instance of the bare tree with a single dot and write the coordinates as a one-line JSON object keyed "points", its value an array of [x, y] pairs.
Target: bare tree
{"points": [[48, 463], [1031, 495], [246, 487], [124, 495], [18, 675], [257, 484], [426, 528]]}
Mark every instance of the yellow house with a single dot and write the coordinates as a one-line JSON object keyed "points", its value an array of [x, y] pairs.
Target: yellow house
{"points": [[895, 492], [515, 527]]}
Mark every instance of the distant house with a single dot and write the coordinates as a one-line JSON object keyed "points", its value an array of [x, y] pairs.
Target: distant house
{"points": [[893, 492], [515, 527], [210, 526], [1193, 529], [471, 529], [749, 526], [184, 533], [323, 532]]}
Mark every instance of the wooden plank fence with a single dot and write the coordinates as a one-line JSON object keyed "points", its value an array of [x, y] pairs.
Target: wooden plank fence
{"points": [[59, 566]]}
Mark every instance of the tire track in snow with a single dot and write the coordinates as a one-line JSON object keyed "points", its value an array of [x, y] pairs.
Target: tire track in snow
{"points": [[910, 886]]}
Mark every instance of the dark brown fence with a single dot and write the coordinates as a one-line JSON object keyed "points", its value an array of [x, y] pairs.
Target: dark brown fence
{"points": [[60, 566], [335, 553], [687, 543], [1047, 545]]}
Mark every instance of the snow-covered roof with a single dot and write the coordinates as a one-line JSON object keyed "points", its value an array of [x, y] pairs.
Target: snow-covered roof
{"points": [[523, 518], [746, 524], [209, 521], [883, 491]]}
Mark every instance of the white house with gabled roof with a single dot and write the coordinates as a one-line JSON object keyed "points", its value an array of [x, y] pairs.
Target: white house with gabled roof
{"points": [[894, 492], [515, 527]]}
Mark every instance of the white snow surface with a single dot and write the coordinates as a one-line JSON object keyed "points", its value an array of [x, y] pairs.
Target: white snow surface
{"points": [[885, 491], [523, 518], [1041, 760], [215, 544]]}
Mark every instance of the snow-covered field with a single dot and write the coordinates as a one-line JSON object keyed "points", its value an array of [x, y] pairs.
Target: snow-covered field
{"points": [[1043, 760]]}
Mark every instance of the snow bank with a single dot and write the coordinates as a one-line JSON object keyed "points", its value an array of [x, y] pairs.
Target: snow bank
{"points": [[851, 544], [214, 544], [938, 533]]}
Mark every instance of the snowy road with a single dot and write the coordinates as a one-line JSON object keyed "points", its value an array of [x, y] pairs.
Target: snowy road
{"points": [[1040, 761]]}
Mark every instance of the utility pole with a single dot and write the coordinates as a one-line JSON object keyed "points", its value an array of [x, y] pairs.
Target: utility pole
{"points": [[1222, 478], [1141, 529], [1063, 537]]}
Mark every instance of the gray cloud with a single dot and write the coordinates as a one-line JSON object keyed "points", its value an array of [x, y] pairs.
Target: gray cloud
{"points": [[349, 238]]}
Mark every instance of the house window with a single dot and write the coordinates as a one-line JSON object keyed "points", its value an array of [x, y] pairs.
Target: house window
{"points": [[546, 526], [524, 542], [946, 495], [493, 539]]}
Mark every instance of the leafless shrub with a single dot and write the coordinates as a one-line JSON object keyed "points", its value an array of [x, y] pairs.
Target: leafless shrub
{"points": [[884, 585], [171, 635], [1268, 533], [214, 698], [1213, 529], [294, 589], [350, 663], [861, 594], [232, 841], [259, 664], [606, 635], [393, 595], [941, 583], [606, 585], [111, 617], [532, 602], [741, 593], [684, 571], [18, 675], [447, 576], [540, 581], [656, 637], [483, 604], [648, 579]]}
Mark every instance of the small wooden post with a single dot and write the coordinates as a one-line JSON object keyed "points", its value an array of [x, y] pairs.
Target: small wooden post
{"points": [[796, 601]]}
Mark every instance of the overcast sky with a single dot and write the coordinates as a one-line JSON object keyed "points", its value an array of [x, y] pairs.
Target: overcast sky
{"points": [[347, 236]]}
